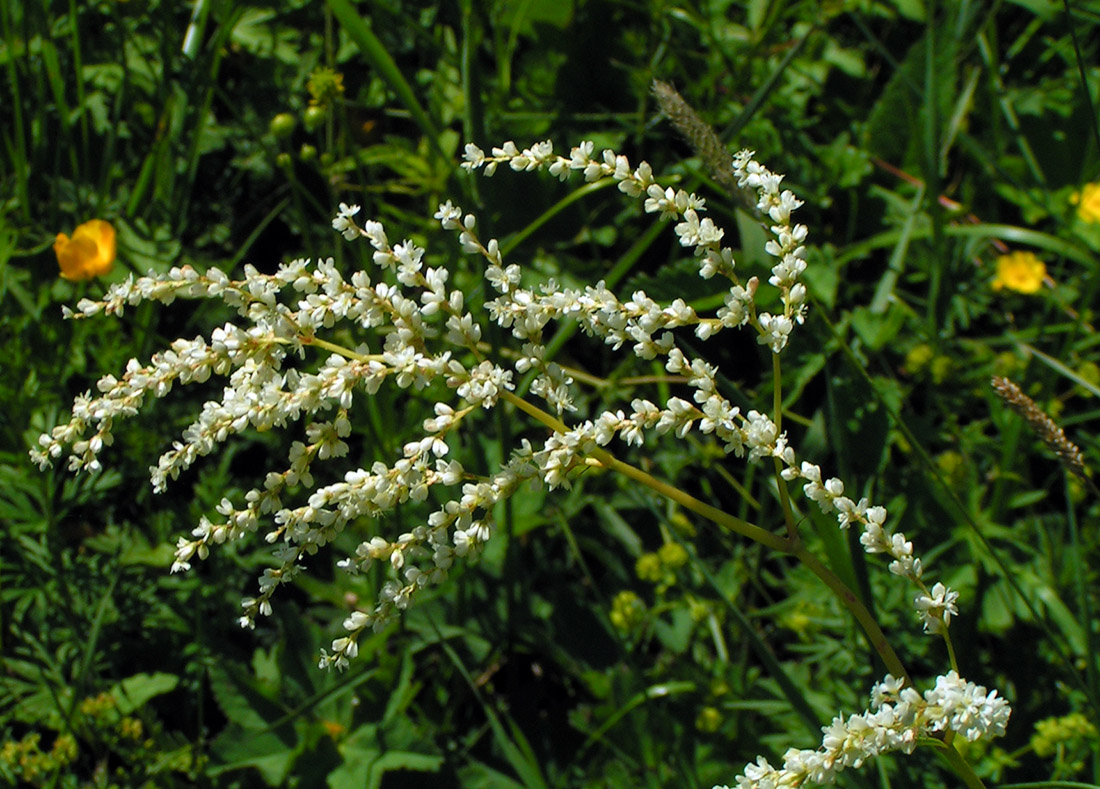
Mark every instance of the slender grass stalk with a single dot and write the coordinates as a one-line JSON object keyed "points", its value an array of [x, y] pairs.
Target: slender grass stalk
{"points": [[379, 59], [78, 81], [16, 147], [960, 766]]}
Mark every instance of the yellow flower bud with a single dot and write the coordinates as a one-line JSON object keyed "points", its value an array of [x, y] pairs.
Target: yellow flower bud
{"points": [[648, 567], [708, 720]]}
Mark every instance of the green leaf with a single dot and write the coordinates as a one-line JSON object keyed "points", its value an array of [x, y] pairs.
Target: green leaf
{"points": [[753, 238], [476, 775], [379, 59], [374, 749], [253, 34], [270, 752], [240, 699], [522, 15], [1027, 498], [134, 692], [902, 107], [1044, 9], [674, 630], [1058, 613], [878, 330], [144, 248]]}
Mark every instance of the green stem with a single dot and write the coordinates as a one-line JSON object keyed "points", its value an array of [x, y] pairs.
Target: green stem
{"points": [[340, 350], [686, 500], [689, 502], [961, 767], [950, 651], [858, 610], [780, 483], [783, 545], [787, 545]]}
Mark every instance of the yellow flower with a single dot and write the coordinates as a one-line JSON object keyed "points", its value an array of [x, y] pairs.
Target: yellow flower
{"points": [[1021, 272], [325, 86], [648, 567], [89, 253], [1087, 202], [627, 611], [673, 555], [708, 720]]}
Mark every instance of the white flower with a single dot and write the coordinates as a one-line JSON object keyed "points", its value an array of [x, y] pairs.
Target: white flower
{"points": [[760, 435], [694, 232], [774, 330], [897, 717], [936, 608], [344, 223], [473, 157], [969, 709], [448, 215]]}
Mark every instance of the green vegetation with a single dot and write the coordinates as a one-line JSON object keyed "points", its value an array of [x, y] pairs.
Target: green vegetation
{"points": [[948, 157]]}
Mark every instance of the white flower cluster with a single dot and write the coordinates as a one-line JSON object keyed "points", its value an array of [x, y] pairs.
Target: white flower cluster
{"points": [[897, 718], [261, 394], [646, 323], [935, 607], [694, 232], [428, 335]]}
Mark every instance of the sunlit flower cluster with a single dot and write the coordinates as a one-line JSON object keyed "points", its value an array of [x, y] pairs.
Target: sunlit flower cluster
{"points": [[896, 720], [694, 232], [601, 314], [415, 330], [283, 313]]}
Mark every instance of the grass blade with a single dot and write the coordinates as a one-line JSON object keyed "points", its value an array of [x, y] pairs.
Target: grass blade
{"points": [[379, 59]]}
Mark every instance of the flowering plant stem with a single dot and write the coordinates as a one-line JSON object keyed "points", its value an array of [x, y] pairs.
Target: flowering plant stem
{"points": [[959, 765], [791, 544], [786, 545], [286, 309]]}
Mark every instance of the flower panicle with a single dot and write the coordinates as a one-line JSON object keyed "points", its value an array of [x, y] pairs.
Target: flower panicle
{"points": [[285, 311], [418, 333], [897, 719], [601, 314], [936, 606], [412, 309], [694, 232]]}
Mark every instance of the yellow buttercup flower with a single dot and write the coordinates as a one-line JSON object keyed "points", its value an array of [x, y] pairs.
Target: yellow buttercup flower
{"points": [[325, 86], [1088, 203], [1021, 272], [673, 555], [89, 253], [627, 611]]}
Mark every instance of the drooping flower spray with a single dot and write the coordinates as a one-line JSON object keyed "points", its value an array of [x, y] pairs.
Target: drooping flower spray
{"points": [[414, 329]]}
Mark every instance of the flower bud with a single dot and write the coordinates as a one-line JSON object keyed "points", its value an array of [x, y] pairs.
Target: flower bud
{"points": [[282, 124]]}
